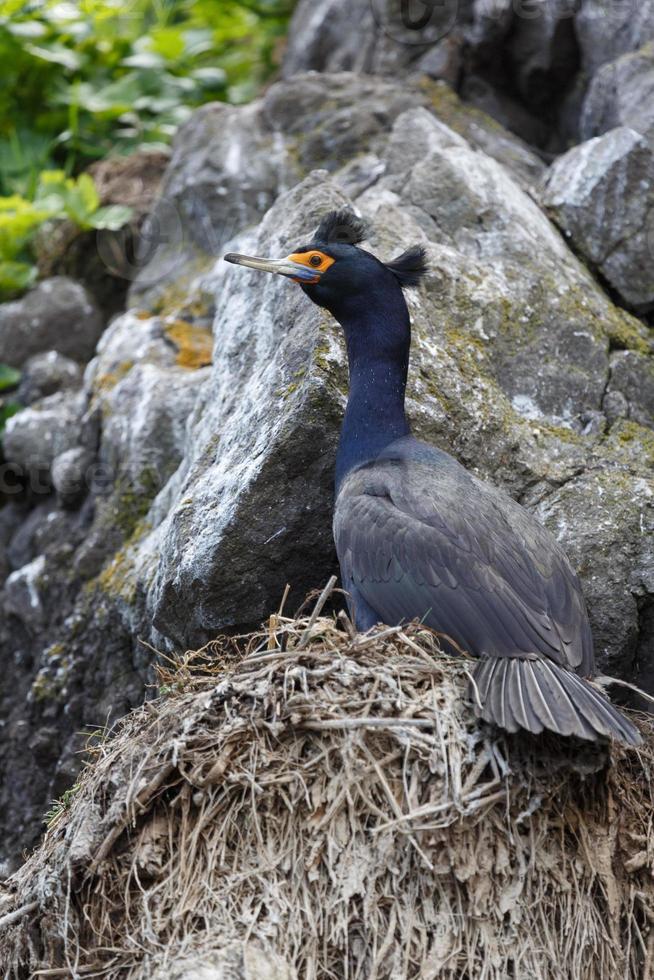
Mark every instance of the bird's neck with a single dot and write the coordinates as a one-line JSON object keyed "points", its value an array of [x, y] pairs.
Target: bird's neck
{"points": [[375, 414]]}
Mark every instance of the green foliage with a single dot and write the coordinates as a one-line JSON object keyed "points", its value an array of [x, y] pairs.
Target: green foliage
{"points": [[81, 78], [59, 808], [9, 378], [55, 197], [7, 409]]}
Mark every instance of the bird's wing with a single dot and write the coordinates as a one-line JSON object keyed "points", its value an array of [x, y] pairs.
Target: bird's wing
{"points": [[426, 541]]}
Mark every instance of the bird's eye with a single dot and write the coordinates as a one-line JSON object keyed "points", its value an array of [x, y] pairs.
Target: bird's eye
{"points": [[315, 261]]}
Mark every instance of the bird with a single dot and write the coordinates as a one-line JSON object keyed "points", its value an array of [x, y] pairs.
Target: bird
{"points": [[420, 537]]}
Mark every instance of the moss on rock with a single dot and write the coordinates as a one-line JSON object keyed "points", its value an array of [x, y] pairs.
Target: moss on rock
{"points": [[194, 344]]}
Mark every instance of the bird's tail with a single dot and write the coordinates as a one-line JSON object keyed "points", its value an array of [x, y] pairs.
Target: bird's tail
{"points": [[535, 694]]}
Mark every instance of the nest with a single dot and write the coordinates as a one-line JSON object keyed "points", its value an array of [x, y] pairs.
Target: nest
{"points": [[310, 803]]}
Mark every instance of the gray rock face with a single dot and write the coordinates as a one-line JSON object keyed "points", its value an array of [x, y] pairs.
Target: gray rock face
{"points": [[22, 593], [375, 36], [632, 378], [331, 36], [526, 64], [45, 374], [71, 475], [229, 164], [58, 314], [601, 193], [210, 420], [36, 436], [588, 516], [621, 93], [260, 450], [608, 30]]}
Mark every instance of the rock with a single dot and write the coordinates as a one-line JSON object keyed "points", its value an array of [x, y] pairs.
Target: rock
{"points": [[5, 567], [373, 36], [71, 475], [335, 122], [267, 421], [22, 593], [632, 377], [615, 406], [21, 541], [144, 431], [33, 438], [526, 64], [285, 135], [606, 31], [588, 516], [601, 193], [132, 180], [321, 38], [196, 213], [444, 61], [483, 132], [621, 93], [44, 374], [58, 314]]}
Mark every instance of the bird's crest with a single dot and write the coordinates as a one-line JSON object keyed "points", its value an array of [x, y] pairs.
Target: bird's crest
{"points": [[409, 267], [343, 227], [340, 228]]}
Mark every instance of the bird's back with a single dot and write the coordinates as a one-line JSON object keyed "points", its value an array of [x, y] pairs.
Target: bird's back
{"points": [[419, 537]]}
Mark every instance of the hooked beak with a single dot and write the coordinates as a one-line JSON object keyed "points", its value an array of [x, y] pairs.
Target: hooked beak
{"points": [[282, 267]]}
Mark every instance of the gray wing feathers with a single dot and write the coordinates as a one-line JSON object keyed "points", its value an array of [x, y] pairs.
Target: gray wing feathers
{"points": [[537, 695], [471, 564]]}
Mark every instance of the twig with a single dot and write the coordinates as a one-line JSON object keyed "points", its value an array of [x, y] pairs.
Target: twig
{"points": [[348, 723], [280, 611], [11, 917], [65, 972], [324, 596]]}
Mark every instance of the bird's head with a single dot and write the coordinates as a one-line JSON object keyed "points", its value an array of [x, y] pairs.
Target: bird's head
{"points": [[335, 273]]}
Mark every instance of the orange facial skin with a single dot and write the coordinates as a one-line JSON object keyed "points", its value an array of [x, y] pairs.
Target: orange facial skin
{"points": [[313, 260]]}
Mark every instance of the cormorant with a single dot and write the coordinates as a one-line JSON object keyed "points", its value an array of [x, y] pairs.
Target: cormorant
{"points": [[419, 537]]}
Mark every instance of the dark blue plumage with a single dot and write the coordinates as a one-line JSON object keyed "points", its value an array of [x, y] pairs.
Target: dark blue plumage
{"points": [[419, 537]]}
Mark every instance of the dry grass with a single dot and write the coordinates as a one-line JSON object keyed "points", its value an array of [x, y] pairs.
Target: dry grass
{"points": [[331, 800]]}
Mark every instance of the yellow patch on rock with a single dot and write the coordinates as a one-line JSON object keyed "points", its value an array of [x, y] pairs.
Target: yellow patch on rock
{"points": [[194, 344]]}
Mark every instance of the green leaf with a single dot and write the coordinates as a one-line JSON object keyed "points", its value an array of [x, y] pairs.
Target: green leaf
{"points": [[6, 411], [59, 54], [73, 71], [18, 219], [28, 28], [15, 277], [113, 217], [148, 59], [88, 195], [168, 42], [66, 197], [9, 377], [210, 78], [115, 98]]}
